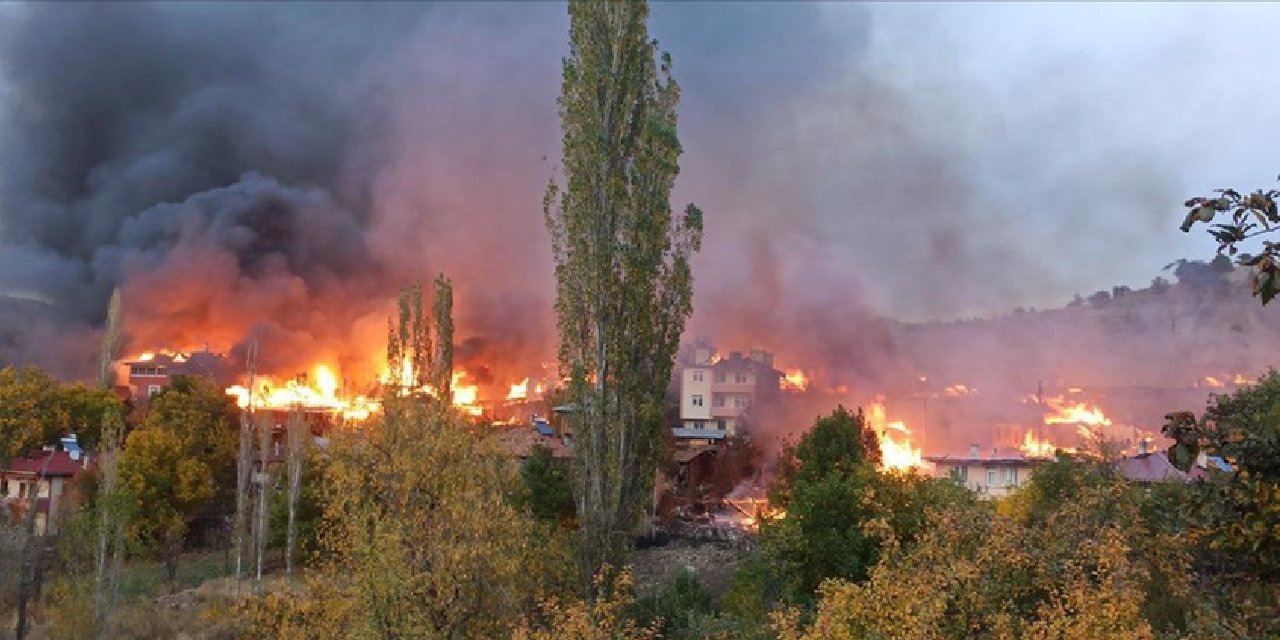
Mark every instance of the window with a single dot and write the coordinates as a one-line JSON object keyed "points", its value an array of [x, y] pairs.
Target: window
{"points": [[740, 402], [960, 473], [718, 400], [720, 377], [22, 489], [720, 425], [696, 400], [740, 378], [1010, 477], [4, 488], [991, 478], [697, 376], [152, 389]]}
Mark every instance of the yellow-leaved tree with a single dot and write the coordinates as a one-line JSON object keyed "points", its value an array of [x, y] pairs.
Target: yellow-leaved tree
{"points": [[421, 537], [1091, 572]]}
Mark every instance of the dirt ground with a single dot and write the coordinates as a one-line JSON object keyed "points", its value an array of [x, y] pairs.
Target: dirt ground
{"points": [[713, 563]]}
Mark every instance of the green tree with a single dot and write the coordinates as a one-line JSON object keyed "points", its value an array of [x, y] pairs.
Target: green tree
{"points": [[1248, 216], [623, 283], [202, 417], [545, 488], [36, 409], [826, 484], [409, 341], [838, 442], [168, 484], [1244, 428], [443, 365]]}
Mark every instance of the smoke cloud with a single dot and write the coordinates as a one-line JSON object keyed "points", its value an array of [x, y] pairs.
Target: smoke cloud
{"points": [[289, 167]]}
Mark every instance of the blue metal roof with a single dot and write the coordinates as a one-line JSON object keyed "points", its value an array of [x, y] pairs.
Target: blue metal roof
{"points": [[711, 434], [543, 428]]}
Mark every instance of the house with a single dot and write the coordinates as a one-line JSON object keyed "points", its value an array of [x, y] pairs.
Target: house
{"points": [[520, 441], [43, 477], [717, 393], [1155, 467], [151, 372], [992, 476]]}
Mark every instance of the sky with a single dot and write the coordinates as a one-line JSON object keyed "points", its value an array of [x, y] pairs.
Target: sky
{"points": [[909, 160]]}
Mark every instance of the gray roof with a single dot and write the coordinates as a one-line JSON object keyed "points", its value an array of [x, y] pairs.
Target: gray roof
{"points": [[712, 434]]}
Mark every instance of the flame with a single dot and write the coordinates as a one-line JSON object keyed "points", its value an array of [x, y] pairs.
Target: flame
{"points": [[1037, 448], [519, 391], [896, 452], [795, 380], [957, 390], [1213, 382], [465, 396], [755, 510], [1063, 412], [146, 356]]}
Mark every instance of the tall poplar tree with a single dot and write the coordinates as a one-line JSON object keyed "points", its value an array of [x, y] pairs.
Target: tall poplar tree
{"points": [[623, 283], [442, 367]]}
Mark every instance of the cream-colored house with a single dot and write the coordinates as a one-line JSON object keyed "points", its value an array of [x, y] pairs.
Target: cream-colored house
{"points": [[990, 476]]}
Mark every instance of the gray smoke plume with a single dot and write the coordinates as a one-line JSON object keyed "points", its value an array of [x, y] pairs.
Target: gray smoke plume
{"points": [[290, 166]]}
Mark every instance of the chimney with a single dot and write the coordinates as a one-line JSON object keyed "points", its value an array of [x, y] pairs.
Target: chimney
{"points": [[973, 451]]}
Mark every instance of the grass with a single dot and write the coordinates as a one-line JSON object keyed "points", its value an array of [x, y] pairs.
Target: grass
{"points": [[147, 578]]}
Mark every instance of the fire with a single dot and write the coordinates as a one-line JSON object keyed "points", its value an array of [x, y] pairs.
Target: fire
{"points": [[519, 391], [1213, 382], [958, 390], [1037, 448], [795, 380], [1063, 412], [1240, 379], [754, 510], [896, 451]]}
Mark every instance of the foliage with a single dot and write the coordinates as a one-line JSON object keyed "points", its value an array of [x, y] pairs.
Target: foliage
{"points": [[419, 537], [202, 417], [838, 442], [443, 365], [978, 574], [310, 510], [167, 483], [545, 489], [1244, 428], [831, 491], [677, 607], [36, 409], [623, 281], [1251, 215], [1061, 480], [409, 340], [603, 619]]}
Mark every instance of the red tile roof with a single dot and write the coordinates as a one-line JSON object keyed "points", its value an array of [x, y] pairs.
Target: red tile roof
{"points": [[61, 464]]}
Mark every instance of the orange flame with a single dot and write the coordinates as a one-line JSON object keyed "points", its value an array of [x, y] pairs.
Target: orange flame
{"points": [[519, 391], [896, 451], [795, 380], [1213, 382], [1064, 412], [958, 390]]}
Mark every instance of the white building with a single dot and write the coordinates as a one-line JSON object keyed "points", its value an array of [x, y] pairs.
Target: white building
{"points": [[717, 393], [992, 476]]}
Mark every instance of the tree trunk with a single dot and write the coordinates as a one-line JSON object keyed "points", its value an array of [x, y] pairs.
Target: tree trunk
{"points": [[295, 436]]}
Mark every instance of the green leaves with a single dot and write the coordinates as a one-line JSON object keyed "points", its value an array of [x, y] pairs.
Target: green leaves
{"points": [[623, 282], [1252, 215]]}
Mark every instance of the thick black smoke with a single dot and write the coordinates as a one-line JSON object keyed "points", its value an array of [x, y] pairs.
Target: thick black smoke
{"points": [[212, 153]]}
